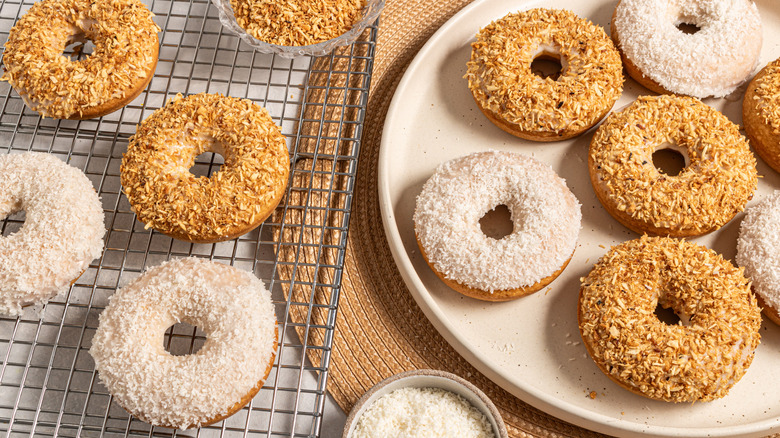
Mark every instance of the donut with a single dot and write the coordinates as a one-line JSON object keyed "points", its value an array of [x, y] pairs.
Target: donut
{"points": [[713, 61], [119, 68], [698, 359], [545, 215], [718, 180], [761, 114], [525, 105], [236, 199], [758, 251], [62, 232], [234, 310]]}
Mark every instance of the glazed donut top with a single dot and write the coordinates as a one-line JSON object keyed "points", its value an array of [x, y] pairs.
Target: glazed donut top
{"points": [[499, 72], [62, 232], [712, 62], [758, 248], [231, 306], [716, 184], [165, 195], [767, 95], [125, 38], [696, 360], [545, 214]]}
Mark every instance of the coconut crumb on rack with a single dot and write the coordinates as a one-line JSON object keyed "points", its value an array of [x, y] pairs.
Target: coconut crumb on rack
{"points": [[297, 22], [500, 66], [125, 38]]}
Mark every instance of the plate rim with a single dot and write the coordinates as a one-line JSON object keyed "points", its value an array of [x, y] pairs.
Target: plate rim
{"points": [[538, 399]]}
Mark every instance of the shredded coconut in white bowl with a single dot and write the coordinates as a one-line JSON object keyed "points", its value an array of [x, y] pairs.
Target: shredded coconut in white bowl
{"points": [[422, 413]]}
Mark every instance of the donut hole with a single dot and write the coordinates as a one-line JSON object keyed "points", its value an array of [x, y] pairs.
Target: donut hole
{"points": [[497, 223], [670, 159], [207, 164], [13, 222], [687, 28], [547, 65], [182, 339], [78, 47], [667, 315]]}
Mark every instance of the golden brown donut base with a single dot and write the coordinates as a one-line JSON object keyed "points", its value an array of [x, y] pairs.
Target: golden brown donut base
{"points": [[515, 130], [629, 65], [765, 142], [495, 296], [236, 231], [134, 91], [251, 394], [768, 311], [244, 400]]}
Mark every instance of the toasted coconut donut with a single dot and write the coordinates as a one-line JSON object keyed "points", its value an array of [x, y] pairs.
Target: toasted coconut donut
{"points": [[761, 114], [62, 232], [231, 306], [713, 61], [758, 251], [522, 103], [718, 180], [700, 358], [122, 63], [234, 200], [545, 214]]}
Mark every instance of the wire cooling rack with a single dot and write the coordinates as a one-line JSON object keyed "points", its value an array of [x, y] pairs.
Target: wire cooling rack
{"points": [[48, 385]]}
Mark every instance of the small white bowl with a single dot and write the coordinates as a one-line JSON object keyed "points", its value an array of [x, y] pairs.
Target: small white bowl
{"points": [[369, 14], [428, 379]]}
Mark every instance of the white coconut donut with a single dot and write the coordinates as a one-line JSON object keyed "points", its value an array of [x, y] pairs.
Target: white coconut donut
{"points": [[758, 251], [231, 306], [711, 62], [545, 215], [62, 232]]}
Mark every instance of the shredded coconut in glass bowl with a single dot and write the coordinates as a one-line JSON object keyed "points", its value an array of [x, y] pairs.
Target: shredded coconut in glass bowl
{"points": [[298, 27]]}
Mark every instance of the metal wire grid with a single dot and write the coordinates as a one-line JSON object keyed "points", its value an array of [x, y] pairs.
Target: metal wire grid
{"points": [[48, 385]]}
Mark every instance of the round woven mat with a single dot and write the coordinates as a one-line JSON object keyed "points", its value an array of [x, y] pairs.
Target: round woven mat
{"points": [[380, 330]]}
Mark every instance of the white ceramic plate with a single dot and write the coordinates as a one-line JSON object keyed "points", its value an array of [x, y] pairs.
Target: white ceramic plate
{"points": [[532, 346]]}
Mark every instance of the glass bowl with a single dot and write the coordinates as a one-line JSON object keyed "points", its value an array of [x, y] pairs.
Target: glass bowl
{"points": [[369, 14]]}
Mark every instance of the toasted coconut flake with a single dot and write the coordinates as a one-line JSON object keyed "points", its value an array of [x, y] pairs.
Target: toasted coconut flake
{"points": [[697, 360], [125, 37], [166, 196], [716, 184], [767, 95], [500, 77]]}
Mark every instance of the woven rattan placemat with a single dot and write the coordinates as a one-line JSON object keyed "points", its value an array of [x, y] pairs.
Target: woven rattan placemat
{"points": [[380, 330]]}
